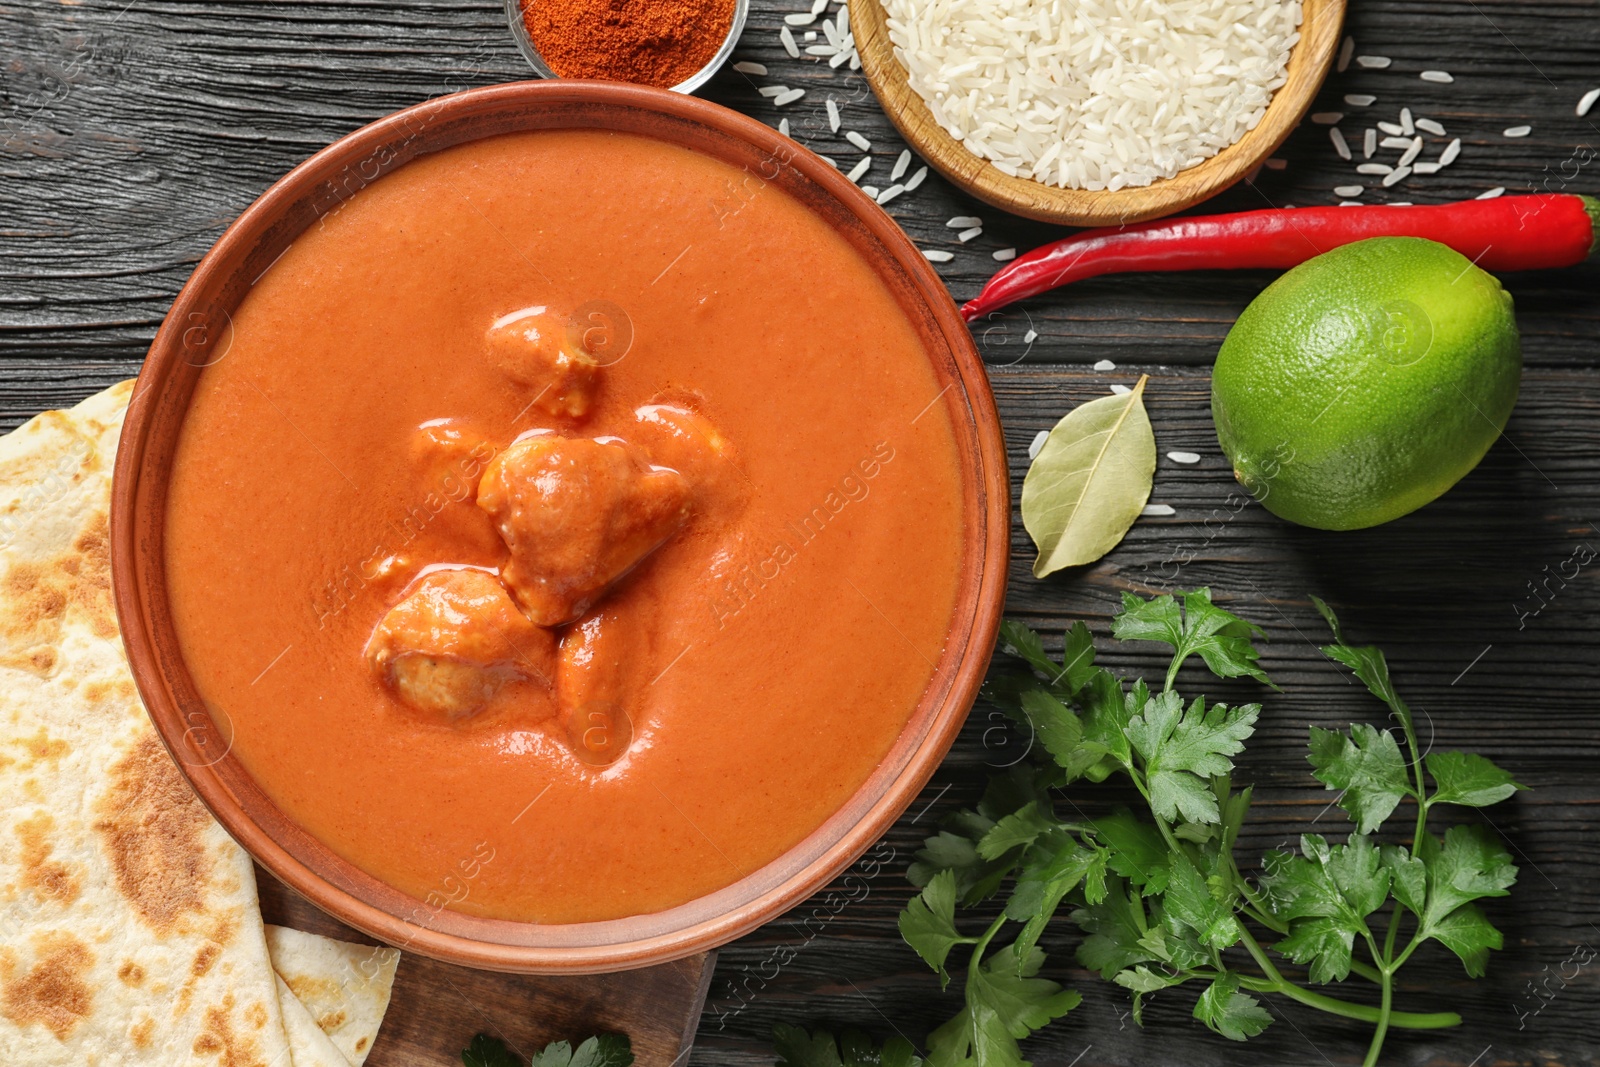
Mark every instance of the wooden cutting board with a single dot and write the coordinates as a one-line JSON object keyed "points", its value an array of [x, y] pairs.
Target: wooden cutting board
{"points": [[437, 1007]]}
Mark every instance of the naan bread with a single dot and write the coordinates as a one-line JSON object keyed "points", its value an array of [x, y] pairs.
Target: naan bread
{"points": [[345, 987], [130, 932]]}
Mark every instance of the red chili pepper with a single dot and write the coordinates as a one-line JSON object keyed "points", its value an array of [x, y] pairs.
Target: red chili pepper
{"points": [[1504, 234]]}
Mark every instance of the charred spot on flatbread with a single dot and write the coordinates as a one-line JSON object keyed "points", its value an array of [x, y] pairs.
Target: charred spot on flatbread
{"points": [[50, 879], [53, 992], [216, 1038], [151, 825]]}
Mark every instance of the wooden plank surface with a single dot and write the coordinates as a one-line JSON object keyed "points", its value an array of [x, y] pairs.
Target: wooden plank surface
{"points": [[130, 135]]}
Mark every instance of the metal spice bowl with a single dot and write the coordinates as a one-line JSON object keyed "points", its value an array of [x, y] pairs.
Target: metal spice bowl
{"points": [[519, 33]]}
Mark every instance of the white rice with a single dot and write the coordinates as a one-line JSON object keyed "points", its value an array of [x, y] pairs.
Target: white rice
{"points": [[1340, 145], [859, 141], [966, 235], [1360, 100], [936, 256], [1005, 255], [1587, 102], [1441, 76], [1451, 151], [1519, 131], [1348, 191], [1184, 457], [746, 67], [1430, 126], [901, 163], [1490, 194], [1098, 94]]}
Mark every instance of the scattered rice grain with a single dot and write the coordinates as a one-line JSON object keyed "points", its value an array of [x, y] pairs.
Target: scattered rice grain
{"points": [[1327, 118], [859, 141], [1360, 100], [860, 168], [1519, 131], [1155, 510], [1490, 194], [1587, 102], [1369, 143], [747, 67], [1122, 390], [773, 90], [1394, 129], [890, 193], [1184, 457], [1405, 122], [805, 18], [783, 127], [901, 163], [1340, 145], [1451, 151], [833, 115], [1374, 168], [934, 255], [1443, 77], [870, 190], [1346, 50], [1373, 62], [1347, 191], [916, 179], [1395, 142], [1411, 153], [961, 222], [1037, 443], [1399, 174], [788, 98], [1005, 255], [1425, 168], [1030, 337], [1430, 126], [966, 235], [787, 37], [1105, 364]]}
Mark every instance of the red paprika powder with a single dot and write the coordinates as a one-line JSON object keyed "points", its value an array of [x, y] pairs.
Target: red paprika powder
{"points": [[651, 42]]}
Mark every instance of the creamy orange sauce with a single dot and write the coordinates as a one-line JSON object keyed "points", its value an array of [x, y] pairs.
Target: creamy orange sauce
{"points": [[776, 649]]}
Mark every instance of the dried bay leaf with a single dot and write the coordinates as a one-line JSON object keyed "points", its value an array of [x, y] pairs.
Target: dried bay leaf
{"points": [[1089, 481]]}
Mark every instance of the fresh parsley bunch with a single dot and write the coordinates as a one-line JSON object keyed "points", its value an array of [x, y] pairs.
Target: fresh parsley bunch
{"points": [[1159, 893], [602, 1050]]}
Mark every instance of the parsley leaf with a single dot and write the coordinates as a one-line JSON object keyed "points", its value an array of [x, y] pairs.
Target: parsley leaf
{"points": [[604, 1050], [1005, 1003], [928, 923], [796, 1048], [1019, 829], [1115, 927], [486, 1051], [1189, 903], [1232, 1014], [1059, 730], [1326, 895], [1366, 766], [1469, 865], [1180, 748], [1468, 779], [1219, 637], [1043, 885], [1077, 654], [1136, 850]]}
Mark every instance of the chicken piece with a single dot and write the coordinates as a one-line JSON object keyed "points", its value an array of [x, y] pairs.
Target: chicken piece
{"points": [[456, 642], [451, 457], [536, 349], [592, 687], [685, 440], [577, 514]]}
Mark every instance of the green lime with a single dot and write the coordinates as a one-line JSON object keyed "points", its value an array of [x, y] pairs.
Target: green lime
{"points": [[1365, 382]]}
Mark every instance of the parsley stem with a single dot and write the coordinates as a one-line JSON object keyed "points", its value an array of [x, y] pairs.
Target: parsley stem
{"points": [[1385, 1009], [1275, 982]]}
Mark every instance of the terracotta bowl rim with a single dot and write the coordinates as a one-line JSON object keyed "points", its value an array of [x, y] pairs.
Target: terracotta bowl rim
{"points": [[139, 592]]}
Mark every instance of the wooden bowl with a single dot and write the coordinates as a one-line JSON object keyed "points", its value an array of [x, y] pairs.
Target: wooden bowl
{"points": [[196, 332], [1309, 62]]}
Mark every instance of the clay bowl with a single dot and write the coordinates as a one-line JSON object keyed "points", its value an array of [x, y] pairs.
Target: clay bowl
{"points": [[196, 332], [1309, 63]]}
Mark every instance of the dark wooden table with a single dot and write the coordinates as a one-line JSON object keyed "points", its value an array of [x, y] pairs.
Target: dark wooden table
{"points": [[134, 131]]}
